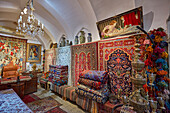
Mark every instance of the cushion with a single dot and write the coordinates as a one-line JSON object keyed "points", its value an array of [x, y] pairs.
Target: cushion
{"points": [[10, 74], [10, 68]]}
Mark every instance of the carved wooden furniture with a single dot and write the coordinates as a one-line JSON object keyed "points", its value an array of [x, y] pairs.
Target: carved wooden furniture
{"points": [[31, 86], [18, 88]]}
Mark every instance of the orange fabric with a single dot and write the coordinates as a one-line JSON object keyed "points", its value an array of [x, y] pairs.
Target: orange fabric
{"points": [[10, 71], [10, 68]]}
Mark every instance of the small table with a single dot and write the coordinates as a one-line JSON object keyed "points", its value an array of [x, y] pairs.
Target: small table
{"points": [[18, 88]]}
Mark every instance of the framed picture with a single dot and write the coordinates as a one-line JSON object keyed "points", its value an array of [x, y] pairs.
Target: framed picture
{"points": [[33, 52], [121, 24]]}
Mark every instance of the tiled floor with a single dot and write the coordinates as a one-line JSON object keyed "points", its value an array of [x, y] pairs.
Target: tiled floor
{"points": [[66, 105]]}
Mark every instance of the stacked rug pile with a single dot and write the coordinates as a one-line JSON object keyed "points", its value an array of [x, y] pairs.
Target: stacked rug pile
{"points": [[93, 85], [58, 75], [68, 92]]}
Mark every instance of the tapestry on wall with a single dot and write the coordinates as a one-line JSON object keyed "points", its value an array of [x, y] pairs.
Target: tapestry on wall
{"points": [[126, 44], [64, 58], [84, 57], [121, 24], [50, 58], [115, 56], [13, 51]]}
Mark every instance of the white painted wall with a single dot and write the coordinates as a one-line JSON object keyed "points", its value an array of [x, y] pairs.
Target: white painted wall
{"points": [[155, 12]]}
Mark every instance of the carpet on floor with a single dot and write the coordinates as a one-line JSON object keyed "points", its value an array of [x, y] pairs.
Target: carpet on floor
{"points": [[30, 98], [43, 105], [56, 110]]}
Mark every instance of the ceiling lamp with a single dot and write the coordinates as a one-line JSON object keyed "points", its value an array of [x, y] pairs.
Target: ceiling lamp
{"points": [[27, 23]]}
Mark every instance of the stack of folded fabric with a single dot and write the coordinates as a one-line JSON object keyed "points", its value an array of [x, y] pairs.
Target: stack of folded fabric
{"points": [[58, 74], [65, 91], [94, 85], [44, 80], [84, 103]]}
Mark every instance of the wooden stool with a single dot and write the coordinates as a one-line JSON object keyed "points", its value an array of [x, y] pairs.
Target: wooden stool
{"points": [[18, 88]]}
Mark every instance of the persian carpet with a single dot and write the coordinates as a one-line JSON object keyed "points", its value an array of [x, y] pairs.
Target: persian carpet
{"points": [[43, 105], [50, 58], [10, 102], [107, 47], [30, 98], [13, 51], [115, 56], [84, 57]]}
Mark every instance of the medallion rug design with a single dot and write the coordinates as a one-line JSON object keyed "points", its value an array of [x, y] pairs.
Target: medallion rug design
{"points": [[126, 44], [117, 65], [84, 57], [43, 105], [115, 56]]}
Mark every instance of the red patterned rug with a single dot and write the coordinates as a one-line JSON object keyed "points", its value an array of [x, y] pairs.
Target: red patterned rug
{"points": [[84, 57], [43, 105], [30, 98], [107, 47]]}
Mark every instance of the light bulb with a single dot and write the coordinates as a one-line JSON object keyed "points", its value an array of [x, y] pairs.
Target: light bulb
{"points": [[25, 10]]}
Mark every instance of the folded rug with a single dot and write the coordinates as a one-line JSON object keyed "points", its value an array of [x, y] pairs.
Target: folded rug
{"points": [[90, 83], [102, 92], [97, 98], [95, 75]]}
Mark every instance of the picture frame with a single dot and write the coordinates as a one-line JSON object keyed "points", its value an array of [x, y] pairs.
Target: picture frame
{"points": [[33, 52], [122, 24]]}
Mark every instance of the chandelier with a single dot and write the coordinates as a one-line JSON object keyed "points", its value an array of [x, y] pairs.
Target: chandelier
{"points": [[27, 23]]}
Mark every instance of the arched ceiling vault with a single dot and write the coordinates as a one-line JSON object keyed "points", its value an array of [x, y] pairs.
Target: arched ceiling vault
{"points": [[69, 16]]}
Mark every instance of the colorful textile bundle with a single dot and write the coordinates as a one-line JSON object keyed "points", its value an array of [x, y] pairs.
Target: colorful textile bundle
{"points": [[159, 67], [102, 92], [94, 75], [55, 88], [60, 82], [58, 74], [71, 94], [84, 103], [90, 83], [61, 90], [97, 98], [93, 85], [65, 91]]}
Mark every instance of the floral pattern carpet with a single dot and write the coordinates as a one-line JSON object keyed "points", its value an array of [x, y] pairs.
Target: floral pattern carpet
{"points": [[10, 102]]}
